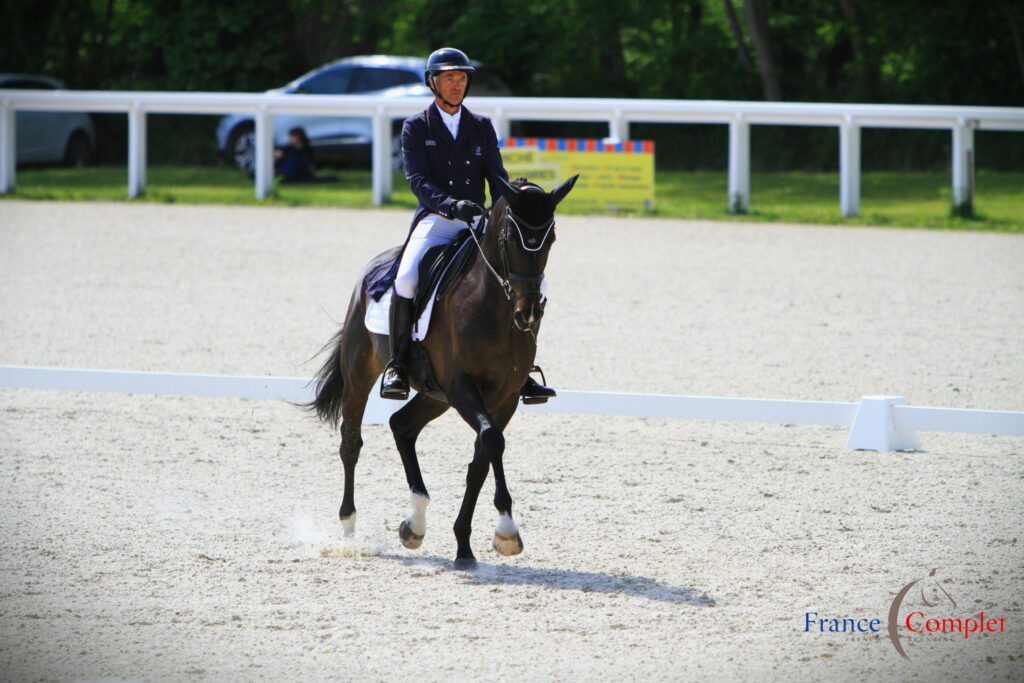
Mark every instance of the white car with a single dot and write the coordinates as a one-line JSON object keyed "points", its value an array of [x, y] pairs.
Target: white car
{"points": [[341, 139], [50, 137]]}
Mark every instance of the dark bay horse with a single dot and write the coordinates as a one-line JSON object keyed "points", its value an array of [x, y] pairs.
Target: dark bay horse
{"points": [[481, 343]]}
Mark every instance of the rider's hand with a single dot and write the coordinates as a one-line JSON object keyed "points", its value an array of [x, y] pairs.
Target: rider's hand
{"points": [[466, 210]]}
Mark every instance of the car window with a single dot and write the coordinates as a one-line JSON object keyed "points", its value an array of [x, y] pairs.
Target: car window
{"points": [[331, 82], [369, 79], [25, 84], [410, 77]]}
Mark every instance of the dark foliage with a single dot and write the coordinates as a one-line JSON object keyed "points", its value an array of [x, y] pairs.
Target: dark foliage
{"points": [[889, 51]]}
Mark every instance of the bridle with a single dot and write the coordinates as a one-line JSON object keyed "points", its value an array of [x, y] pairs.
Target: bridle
{"points": [[532, 282]]}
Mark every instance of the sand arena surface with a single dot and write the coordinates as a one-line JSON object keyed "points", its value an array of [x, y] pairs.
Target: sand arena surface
{"points": [[175, 538]]}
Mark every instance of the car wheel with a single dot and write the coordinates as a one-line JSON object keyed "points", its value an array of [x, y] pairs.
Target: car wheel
{"points": [[242, 147], [78, 152]]}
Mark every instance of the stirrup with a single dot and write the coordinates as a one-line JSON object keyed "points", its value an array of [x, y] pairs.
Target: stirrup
{"points": [[398, 388], [543, 395]]}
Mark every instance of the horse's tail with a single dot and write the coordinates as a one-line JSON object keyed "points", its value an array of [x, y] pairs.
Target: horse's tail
{"points": [[330, 384]]}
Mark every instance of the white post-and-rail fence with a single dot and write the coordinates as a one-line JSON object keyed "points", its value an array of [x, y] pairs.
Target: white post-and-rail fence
{"points": [[877, 423], [618, 113]]}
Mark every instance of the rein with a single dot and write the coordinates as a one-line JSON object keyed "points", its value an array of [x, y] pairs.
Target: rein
{"points": [[506, 286]]}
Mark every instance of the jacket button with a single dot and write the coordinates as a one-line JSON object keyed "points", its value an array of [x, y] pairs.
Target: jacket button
{"points": [[467, 181], [449, 182], [467, 162]]}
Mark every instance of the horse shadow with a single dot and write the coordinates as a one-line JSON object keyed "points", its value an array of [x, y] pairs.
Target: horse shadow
{"points": [[567, 579]]}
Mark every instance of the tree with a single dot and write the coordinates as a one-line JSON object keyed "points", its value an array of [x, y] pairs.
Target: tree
{"points": [[756, 15], [1014, 26]]}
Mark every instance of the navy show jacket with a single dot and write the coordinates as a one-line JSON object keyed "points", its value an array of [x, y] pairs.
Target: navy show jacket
{"points": [[442, 170]]}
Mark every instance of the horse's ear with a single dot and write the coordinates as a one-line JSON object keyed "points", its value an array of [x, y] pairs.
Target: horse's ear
{"points": [[558, 194], [507, 190]]}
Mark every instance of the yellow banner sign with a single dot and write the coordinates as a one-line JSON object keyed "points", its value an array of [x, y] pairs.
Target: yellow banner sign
{"points": [[613, 176]]}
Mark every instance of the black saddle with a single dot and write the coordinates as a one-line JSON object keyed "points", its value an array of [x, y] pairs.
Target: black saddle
{"points": [[440, 269]]}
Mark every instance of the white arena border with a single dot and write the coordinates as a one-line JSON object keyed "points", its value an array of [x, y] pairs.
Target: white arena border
{"points": [[877, 423]]}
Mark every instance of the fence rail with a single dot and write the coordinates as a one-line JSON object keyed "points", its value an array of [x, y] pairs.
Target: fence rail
{"points": [[877, 423], [739, 116]]}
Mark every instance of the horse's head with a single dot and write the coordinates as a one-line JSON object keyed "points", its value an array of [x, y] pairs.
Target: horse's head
{"points": [[526, 233]]}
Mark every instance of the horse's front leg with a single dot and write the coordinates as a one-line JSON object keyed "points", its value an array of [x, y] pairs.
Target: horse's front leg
{"points": [[406, 425], [490, 447]]}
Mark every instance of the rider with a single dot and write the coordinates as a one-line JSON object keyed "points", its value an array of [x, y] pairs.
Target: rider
{"points": [[448, 153]]}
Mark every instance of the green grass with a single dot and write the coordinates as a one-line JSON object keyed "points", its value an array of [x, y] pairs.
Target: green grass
{"points": [[918, 199]]}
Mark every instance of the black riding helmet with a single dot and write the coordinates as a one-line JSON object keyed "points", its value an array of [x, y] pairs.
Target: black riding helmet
{"points": [[447, 59]]}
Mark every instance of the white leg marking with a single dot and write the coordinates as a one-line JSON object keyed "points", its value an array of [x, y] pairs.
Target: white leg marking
{"points": [[506, 536], [506, 525], [348, 526], [418, 518]]}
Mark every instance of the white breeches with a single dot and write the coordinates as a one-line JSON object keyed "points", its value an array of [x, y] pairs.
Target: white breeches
{"points": [[434, 229]]}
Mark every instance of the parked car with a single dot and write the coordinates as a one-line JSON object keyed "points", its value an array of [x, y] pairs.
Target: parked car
{"points": [[341, 139], [49, 137]]}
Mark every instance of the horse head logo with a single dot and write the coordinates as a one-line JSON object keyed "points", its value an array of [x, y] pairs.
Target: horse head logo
{"points": [[935, 591]]}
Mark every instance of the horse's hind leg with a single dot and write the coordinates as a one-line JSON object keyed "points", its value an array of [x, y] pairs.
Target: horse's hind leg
{"points": [[351, 443], [406, 425], [360, 376]]}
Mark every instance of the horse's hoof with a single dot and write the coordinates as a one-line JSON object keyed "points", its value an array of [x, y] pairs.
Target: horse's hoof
{"points": [[409, 539], [465, 564], [508, 544]]}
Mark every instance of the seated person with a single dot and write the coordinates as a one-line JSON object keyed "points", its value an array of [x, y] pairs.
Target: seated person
{"points": [[295, 162]]}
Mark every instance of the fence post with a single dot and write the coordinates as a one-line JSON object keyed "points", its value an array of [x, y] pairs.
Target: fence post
{"points": [[136, 150], [739, 165], [849, 167], [501, 125], [381, 155], [618, 126], [963, 167], [8, 140], [264, 162]]}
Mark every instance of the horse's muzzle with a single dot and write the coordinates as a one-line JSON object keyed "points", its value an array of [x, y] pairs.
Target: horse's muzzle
{"points": [[527, 315]]}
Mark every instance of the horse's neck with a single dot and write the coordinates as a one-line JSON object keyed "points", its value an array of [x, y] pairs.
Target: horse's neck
{"points": [[480, 280], [492, 237], [490, 253]]}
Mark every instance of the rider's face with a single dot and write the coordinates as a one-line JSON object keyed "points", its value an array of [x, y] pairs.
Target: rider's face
{"points": [[451, 85]]}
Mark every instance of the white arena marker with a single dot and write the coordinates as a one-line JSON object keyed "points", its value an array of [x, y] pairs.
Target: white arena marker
{"points": [[293, 389], [881, 423], [874, 429]]}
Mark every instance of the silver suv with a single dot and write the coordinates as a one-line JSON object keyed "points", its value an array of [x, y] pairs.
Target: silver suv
{"points": [[48, 137], [341, 139]]}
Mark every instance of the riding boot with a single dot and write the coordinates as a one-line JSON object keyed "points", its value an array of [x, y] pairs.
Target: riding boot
{"points": [[533, 392], [395, 381]]}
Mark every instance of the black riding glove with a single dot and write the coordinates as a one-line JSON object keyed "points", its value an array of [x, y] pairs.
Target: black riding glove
{"points": [[466, 210]]}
